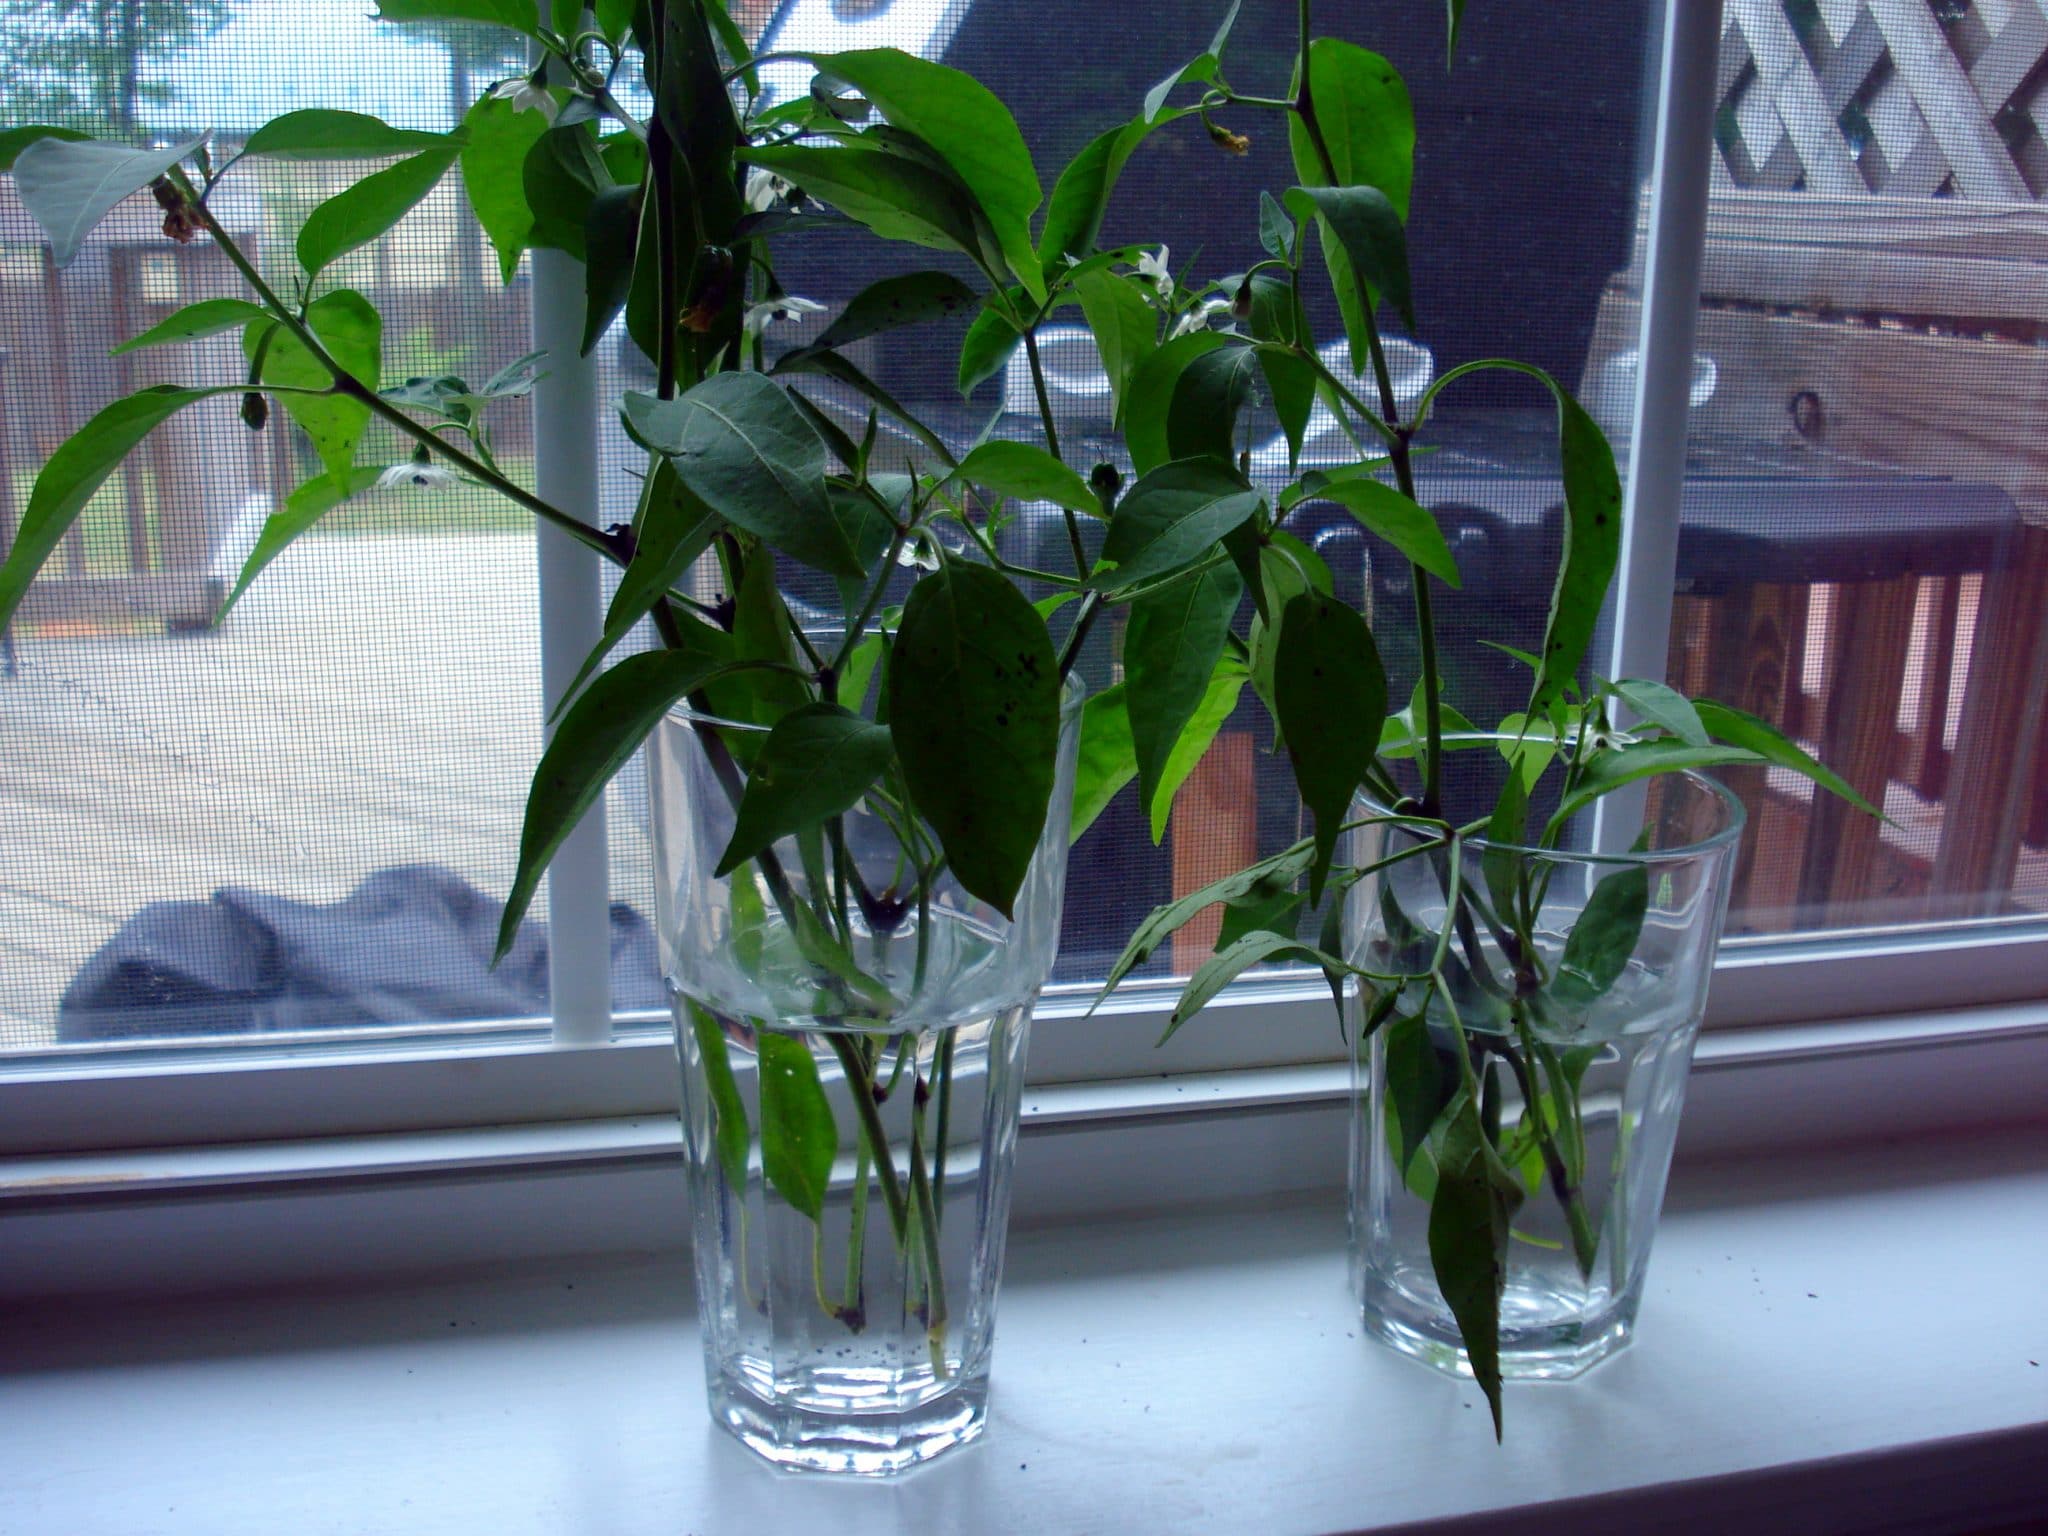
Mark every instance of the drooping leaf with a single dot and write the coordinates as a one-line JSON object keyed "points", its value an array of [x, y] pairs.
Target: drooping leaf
{"points": [[601, 730], [1173, 515], [611, 231], [1225, 966], [1125, 326], [208, 317], [1416, 1088], [69, 185], [1330, 697], [494, 175], [974, 702], [1218, 701], [1597, 949], [1028, 473], [986, 349], [1592, 546], [1403, 523], [1366, 225], [799, 1139], [351, 330], [1107, 762], [817, 762], [558, 180], [301, 510], [897, 197], [357, 215], [1608, 770], [729, 1133], [1741, 729], [1469, 1216], [1171, 648], [1073, 215], [912, 298], [1270, 906], [749, 454], [834, 365], [1201, 418], [1286, 568], [320, 134], [1168, 919], [1150, 398], [1661, 704], [76, 470], [14, 140]]}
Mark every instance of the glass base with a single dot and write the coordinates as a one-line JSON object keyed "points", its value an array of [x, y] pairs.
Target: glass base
{"points": [[805, 1438], [1544, 1334]]}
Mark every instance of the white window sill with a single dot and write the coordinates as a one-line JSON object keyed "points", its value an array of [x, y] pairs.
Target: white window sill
{"points": [[1835, 1342]]}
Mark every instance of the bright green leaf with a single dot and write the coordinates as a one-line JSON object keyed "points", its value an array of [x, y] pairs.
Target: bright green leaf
{"points": [[1403, 523], [494, 175], [520, 15], [1171, 649], [1742, 729], [986, 348], [1592, 546], [301, 510], [1661, 704], [1218, 701], [729, 1131], [319, 134], [799, 1139], [1125, 325], [208, 317], [1598, 948], [1107, 762], [1028, 473], [1607, 771], [1225, 966], [351, 330], [359, 214], [1168, 919]]}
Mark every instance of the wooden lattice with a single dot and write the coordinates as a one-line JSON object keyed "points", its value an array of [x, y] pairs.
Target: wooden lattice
{"points": [[1909, 98]]}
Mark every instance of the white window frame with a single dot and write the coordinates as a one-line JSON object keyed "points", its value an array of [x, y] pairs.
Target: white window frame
{"points": [[587, 1066]]}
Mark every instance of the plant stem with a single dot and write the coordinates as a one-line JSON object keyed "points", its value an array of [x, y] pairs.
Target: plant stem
{"points": [[928, 1225], [1052, 445], [1070, 649]]}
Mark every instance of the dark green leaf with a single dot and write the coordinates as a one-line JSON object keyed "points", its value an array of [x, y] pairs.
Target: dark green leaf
{"points": [[1169, 918], [868, 530], [69, 185], [986, 348], [1609, 770], [761, 634], [1401, 522], [14, 140], [1028, 473], [1592, 545], [1416, 1088], [519, 15], [817, 763], [352, 332], [1218, 700], [1499, 865], [359, 214], [1107, 762], [319, 134], [1276, 229], [1742, 729], [1171, 648], [1225, 966], [78, 468], [559, 178], [798, 1137], [749, 454], [602, 729], [1173, 516], [1201, 418], [1269, 907], [209, 317], [1287, 568], [974, 704], [833, 365], [1150, 398], [897, 197], [729, 1131], [1476, 1199], [1454, 13], [1330, 697], [494, 175], [301, 510], [1125, 325], [910, 299], [1597, 949], [1073, 216], [611, 231], [1291, 383], [1661, 704], [1368, 227]]}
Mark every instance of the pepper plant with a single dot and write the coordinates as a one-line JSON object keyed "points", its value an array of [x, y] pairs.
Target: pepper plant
{"points": [[677, 206]]}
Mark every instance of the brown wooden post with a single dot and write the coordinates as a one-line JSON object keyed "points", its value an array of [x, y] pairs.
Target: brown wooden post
{"points": [[1214, 827]]}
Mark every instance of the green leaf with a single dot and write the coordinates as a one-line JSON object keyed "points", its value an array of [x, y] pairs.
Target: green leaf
{"points": [[601, 730], [1367, 226], [1150, 399], [817, 763], [1107, 762], [729, 1131], [1276, 229], [1592, 545], [1416, 1088], [1174, 515], [14, 140], [969, 126], [1073, 216], [1291, 384], [897, 197], [1168, 919], [1171, 649], [1217, 703], [1742, 729], [1402, 522], [1125, 325], [834, 365], [519, 15], [1499, 865], [208, 317], [760, 634], [1454, 13], [614, 18], [912, 298], [1225, 966], [559, 179], [494, 175], [749, 454], [985, 349], [1270, 907], [351, 330], [1286, 569], [611, 233], [868, 530], [69, 185], [359, 214], [76, 470], [1469, 1216], [1609, 770], [319, 134], [1330, 699], [798, 1137], [974, 705], [1028, 473], [301, 510], [1201, 418], [1597, 949], [1661, 704]]}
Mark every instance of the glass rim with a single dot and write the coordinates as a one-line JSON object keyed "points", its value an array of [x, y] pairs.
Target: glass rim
{"points": [[1073, 695], [1737, 812]]}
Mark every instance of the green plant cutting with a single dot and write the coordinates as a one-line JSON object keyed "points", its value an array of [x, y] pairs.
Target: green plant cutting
{"points": [[644, 144]]}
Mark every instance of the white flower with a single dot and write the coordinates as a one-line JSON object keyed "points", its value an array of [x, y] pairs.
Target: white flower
{"points": [[525, 92], [1154, 267], [788, 307], [418, 472], [764, 190], [1198, 318]]}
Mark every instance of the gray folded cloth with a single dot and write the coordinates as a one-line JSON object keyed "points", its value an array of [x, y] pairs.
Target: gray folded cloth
{"points": [[410, 945]]}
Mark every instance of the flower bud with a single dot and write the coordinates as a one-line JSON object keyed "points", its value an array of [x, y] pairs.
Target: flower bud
{"points": [[1105, 482], [1224, 139], [255, 411]]}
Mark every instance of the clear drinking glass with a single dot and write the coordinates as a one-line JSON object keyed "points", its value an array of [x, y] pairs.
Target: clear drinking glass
{"points": [[1579, 1241], [849, 1136]]}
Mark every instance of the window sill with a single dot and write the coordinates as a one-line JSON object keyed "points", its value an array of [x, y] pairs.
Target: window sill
{"points": [[1200, 1370]]}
